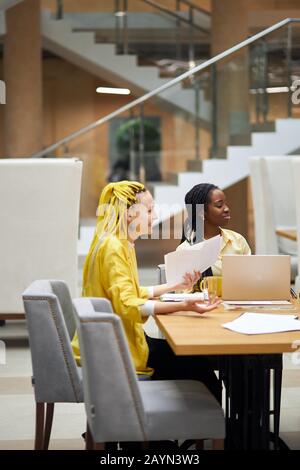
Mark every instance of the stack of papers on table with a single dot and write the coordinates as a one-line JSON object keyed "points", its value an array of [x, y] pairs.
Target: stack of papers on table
{"points": [[267, 306], [258, 323], [196, 257], [253, 303], [181, 297]]}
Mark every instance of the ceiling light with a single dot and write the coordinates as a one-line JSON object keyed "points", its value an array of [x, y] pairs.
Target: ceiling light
{"points": [[113, 91], [273, 89], [278, 89], [120, 13]]}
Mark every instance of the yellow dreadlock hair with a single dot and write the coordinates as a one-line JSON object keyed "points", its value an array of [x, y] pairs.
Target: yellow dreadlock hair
{"points": [[113, 203]]}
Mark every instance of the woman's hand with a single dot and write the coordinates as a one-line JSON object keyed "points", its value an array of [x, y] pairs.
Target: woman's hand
{"points": [[194, 306], [189, 305], [188, 281]]}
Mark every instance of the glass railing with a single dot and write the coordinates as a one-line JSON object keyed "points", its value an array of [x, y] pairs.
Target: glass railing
{"points": [[195, 116], [274, 64]]}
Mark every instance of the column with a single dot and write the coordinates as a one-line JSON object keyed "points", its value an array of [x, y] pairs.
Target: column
{"points": [[23, 78], [229, 27]]}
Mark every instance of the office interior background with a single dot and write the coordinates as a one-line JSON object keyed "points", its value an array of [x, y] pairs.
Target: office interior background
{"points": [[184, 121]]}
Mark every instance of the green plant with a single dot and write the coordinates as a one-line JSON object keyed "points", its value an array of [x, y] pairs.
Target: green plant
{"points": [[131, 130]]}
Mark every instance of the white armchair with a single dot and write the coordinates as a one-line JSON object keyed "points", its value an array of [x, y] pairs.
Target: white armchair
{"points": [[39, 217], [274, 205]]}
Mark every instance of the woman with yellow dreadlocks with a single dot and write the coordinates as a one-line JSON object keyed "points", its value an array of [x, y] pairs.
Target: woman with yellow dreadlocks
{"points": [[125, 212]]}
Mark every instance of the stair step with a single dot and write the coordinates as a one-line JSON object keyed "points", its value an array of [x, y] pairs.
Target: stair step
{"points": [[220, 153], [151, 185], [295, 152], [268, 126], [56, 26], [194, 165], [81, 49], [171, 178], [243, 139]]}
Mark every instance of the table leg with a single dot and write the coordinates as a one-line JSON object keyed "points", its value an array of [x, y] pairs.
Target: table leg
{"points": [[247, 404]]}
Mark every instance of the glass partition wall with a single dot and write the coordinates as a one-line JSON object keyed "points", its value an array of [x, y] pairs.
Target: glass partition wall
{"points": [[195, 116]]}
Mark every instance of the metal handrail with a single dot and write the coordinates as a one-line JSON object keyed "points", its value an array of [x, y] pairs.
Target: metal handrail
{"points": [[158, 6], [168, 85], [123, 5], [195, 7], [174, 14]]}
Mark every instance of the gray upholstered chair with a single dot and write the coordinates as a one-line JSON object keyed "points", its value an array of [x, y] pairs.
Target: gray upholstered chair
{"points": [[161, 274], [51, 326], [121, 408]]}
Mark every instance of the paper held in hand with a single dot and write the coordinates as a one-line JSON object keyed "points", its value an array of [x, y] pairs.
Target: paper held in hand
{"points": [[197, 257]]}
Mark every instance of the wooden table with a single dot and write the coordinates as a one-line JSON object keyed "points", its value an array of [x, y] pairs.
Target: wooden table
{"points": [[290, 234], [246, 362], [189, 333]]}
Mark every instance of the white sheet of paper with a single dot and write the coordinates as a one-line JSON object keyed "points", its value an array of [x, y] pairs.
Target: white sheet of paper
{"points": [[258, 323], [197, 257], [266, 308], [180, 297], [257, 302]]}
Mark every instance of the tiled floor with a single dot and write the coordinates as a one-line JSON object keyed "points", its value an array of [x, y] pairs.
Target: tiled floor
{"points": [[17, 402]]}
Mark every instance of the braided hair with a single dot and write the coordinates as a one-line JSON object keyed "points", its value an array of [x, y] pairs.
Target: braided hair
{"points": [[199, 194]]}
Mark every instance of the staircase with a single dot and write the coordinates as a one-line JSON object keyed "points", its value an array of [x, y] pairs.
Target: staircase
{"points": [[226, 172], [101, 60]]}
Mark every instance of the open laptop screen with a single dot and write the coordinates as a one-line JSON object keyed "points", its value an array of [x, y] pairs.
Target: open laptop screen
{"points": [[256, 277]]}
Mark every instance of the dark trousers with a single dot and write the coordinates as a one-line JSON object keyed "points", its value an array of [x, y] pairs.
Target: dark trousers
{"points": [[168, 366]]}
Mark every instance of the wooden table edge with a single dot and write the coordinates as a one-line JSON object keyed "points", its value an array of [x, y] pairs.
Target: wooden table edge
{"points": [[233, 349]]}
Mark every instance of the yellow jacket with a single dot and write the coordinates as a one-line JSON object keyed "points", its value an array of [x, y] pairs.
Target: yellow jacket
{"points": [[113, 274]]}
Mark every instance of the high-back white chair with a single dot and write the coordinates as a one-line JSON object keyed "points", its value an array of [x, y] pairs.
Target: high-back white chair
{"points": [[296, 179], [264, 223], [280, 176], [39, 217], [274, 205]]}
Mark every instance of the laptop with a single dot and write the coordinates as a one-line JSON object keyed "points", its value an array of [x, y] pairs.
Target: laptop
{"points": [[256, 279]]}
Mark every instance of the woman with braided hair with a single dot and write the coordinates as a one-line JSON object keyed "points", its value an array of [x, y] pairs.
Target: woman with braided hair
{"points": [[216, 218], [126, 211]]}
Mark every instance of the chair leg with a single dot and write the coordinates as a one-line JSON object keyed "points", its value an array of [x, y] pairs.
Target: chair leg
{"points": [[199, 445], [218, 444], [99, 446], [39, 426], [89, 442], [48, 425]]}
